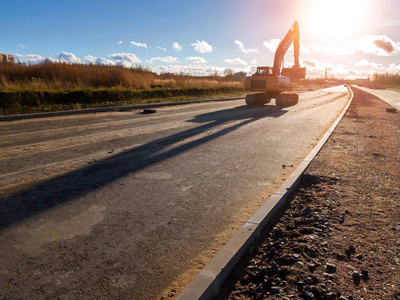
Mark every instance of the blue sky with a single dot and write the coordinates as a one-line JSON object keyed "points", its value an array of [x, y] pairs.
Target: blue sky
{"points": [[352, 38]]}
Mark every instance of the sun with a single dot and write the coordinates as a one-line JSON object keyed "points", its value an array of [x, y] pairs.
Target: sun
{"points": [[336, 19]]}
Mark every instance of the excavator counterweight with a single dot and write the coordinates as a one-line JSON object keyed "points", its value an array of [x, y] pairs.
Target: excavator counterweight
{"points": [[274, 82]]}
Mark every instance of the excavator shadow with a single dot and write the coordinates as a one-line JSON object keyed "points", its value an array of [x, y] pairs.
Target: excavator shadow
{"points": [[71, 185], [242, 112]]}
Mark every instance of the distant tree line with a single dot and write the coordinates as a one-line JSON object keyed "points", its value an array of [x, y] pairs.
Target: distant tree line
{"points": [[387, 78]]}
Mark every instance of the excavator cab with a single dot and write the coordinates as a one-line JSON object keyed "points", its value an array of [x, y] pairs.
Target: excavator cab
{"points": [[263, 71]]}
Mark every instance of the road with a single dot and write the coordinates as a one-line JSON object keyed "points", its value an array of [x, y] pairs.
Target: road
{"points": [[128, 205], [391, 97]]}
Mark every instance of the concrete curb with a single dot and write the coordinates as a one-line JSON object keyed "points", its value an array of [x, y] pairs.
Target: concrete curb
{"points": [[207, 284], [105, 109]]}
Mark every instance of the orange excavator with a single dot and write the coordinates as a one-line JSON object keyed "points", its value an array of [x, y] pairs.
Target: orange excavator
{"points": [[275, 82]]}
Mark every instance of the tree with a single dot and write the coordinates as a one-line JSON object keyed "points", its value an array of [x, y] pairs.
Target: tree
{"points": [[228, 72]]}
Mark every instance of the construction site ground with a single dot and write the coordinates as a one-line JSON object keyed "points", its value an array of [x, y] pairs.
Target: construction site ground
{"points": [[340, 236]]}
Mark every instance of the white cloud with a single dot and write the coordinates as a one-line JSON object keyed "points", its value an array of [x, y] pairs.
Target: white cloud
{"points": [[29, 58], [125, 59], [366, 63], [89, 59], [243, 49], [236, 61], [340, 71], [161, 48], [196, 60], [309, 62], [272, 44], [196, 70], [332, 49], [67, 57], [362, 69], [394, 68], [254, 62], [379, 45], [176, 46], [120, 42], [166, 59], [199, 70], [138, 44], [22, 45], [202, 47], [303, 48], [316, 68]]}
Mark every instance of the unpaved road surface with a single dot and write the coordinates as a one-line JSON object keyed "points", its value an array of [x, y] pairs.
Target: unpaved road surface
{"points": [[127, 205], [340, 237]]}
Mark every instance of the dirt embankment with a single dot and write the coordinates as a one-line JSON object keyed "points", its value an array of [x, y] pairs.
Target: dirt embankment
{"points": [[340, 237]]}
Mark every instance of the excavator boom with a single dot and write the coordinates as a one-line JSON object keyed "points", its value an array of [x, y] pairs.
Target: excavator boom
{"points": [[292, 36], [295, 72]]}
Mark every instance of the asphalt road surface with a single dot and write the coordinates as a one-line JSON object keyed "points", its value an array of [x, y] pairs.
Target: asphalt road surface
{"points": [[129, 205]]}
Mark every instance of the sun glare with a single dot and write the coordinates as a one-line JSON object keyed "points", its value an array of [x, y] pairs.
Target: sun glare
{"points": [[335, 19]]}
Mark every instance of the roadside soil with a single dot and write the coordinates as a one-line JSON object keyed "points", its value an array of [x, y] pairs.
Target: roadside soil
{"points": [[340, 236]]}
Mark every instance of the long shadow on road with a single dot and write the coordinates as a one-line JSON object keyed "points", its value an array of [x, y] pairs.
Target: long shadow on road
{"points": [[68, 186]]}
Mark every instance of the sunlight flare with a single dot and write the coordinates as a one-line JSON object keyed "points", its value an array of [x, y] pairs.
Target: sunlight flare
{"points": [[335, 19]]}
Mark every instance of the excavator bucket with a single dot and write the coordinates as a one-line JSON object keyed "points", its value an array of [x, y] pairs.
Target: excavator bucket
{"points": [[294, 73]]}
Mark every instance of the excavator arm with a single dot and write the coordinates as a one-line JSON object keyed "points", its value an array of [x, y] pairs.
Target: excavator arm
{"points": [[292, 36]]}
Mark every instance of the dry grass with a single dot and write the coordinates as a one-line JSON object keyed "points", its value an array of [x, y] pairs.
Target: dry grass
{"points": [[56, 76], [59, 86], [62, 76]]}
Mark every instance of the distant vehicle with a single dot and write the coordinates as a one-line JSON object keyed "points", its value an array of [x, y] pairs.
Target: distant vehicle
{"points": [[273, 81], [6, 58]]}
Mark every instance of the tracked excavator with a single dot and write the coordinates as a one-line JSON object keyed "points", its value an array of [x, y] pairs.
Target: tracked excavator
{"points": [[275, 82]]}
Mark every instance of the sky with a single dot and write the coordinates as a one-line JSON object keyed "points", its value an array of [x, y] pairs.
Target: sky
{"points": [[348, 38]]}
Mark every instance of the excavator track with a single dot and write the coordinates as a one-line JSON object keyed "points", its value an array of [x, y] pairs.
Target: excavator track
{"points": [[286, 99], [258, 99]]}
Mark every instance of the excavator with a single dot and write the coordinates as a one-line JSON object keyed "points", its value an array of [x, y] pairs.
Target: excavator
{"points": [[275, 82]]}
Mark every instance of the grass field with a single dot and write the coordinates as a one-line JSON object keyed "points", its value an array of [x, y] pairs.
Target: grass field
{"points": [[60, 86]]}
